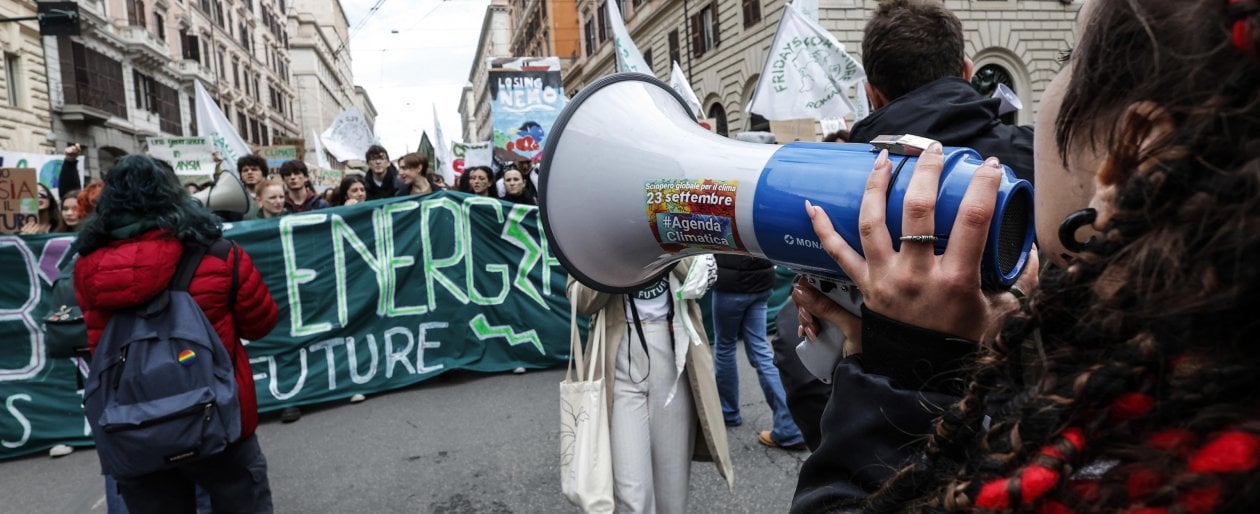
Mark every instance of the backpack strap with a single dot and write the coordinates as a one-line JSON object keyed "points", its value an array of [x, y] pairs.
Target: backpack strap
{"points": [[188, 262]]}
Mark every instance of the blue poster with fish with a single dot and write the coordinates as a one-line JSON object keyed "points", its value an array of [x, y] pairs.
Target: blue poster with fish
{"points": [[526, 97]]}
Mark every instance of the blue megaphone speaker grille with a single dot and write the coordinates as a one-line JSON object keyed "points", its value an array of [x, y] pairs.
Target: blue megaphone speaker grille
{"points": [[630, 183]]}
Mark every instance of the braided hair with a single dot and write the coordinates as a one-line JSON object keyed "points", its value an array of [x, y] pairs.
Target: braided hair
{"points": [[1146, 398]]}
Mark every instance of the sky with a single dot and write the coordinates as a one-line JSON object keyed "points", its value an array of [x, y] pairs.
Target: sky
{"points": [[412, 56]]}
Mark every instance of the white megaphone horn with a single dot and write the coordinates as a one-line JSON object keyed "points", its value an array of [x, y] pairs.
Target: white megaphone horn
{"points": [[630, 184], [227, 193]]}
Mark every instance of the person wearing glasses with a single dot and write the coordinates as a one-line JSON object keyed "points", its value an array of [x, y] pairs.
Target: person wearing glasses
{"points": [[382, 178]]}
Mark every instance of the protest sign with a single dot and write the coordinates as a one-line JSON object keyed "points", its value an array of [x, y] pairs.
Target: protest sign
{"points": [[629, 58], [190, 156], [808, 73], [349, 136], [467, 155], [324, 178], [277, 155], [47, 166], [213, 125], [788, 131], [526, 97], [373, 297], [19, 198]]}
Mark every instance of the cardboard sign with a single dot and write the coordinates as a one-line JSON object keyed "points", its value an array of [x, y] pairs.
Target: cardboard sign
{"points": [[277, 155], [188, 155], [793, 130], [19, 198]]}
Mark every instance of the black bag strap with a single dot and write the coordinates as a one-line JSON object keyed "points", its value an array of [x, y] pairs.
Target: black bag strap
{"points": [[188, 262]]}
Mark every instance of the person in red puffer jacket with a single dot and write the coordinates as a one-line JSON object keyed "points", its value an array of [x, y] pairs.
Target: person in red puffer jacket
{"points": [[128, 254]]}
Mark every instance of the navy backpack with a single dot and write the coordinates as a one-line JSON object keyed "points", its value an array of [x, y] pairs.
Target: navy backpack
{"points": [[162, 391]]}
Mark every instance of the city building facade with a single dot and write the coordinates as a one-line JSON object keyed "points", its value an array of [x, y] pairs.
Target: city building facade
{"points": [[494, 42], [24, 113], [130, 74], [322, 76], [721, 45]]}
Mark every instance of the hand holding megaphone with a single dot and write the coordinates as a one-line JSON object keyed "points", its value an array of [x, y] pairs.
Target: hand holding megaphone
{"points": [[914, 285]]}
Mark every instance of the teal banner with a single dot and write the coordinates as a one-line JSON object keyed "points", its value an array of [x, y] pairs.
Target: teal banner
{"points": [[373, 297]]}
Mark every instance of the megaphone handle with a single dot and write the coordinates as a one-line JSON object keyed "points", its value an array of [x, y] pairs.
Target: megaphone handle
{"points": [[820, 356]]}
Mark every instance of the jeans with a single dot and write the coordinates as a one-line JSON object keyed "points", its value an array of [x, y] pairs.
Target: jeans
{"points": [[745, 313]]}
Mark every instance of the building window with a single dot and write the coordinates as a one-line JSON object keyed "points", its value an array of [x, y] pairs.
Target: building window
{"points": [[718, 115], [704, 29], [135, 13], [589, 36], [986, 80], [12, 74], [222, 67], [603, 22], [192, 116], [91, 79], [145, 99], [192, 46], [236, 73], [752, 12], [159, 26], [647, 58], [167, 103], [674, 54]]}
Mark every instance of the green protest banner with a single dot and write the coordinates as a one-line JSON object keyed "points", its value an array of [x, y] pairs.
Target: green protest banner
{"points": [[372, 297]]}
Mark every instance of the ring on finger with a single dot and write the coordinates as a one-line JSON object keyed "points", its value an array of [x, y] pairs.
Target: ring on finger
{"points": [[924, 238]]}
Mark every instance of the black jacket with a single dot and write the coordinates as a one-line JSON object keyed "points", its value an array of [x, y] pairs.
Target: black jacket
{"points": [[390, 187], [743, 274], [884, 402], [949, 110]]}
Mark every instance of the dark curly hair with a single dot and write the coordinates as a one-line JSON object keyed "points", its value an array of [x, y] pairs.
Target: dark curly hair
{"points": [[139, 189], [254, 160], [1143, 367]]}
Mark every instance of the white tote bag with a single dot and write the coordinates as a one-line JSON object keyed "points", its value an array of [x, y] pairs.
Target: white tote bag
{"points": [[585, 452]]}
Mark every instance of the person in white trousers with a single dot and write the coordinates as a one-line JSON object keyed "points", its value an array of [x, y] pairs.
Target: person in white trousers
{"points": [[663, 390]]}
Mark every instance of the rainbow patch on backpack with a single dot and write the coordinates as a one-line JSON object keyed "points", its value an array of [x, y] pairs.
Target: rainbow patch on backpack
{"points": [[187, 357]]}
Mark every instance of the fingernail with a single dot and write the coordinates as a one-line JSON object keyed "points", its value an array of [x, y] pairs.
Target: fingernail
{"points": [[809, 332], [800, 331], [992, 162], [882, 159], [809, 208], [935, 148]]}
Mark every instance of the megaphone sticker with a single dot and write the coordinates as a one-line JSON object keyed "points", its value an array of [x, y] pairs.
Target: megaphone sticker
{"points": [[693, 213]]}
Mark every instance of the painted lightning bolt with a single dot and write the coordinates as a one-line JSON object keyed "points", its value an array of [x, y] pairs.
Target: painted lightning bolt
{"points": [[485, 330]]}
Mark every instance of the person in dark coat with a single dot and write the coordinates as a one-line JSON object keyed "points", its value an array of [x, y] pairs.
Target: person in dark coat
{"points": [[382, 179], [129, 252], [918, 80]]}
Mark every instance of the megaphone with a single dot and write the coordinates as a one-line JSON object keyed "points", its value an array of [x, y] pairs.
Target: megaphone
{"points": [[227, 193], [675, 189]]}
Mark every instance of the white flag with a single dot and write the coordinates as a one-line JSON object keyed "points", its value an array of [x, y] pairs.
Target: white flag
{"points": [[213, 125], [678, 81], [629, 58], [807, 74], [320, 158], [442, 151], [349, 136]]}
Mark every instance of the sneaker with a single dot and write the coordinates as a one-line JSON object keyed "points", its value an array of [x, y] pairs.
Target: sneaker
{"points": [[519, 371], [763, 437], [357, 398], [60, 450], [290, 414]]}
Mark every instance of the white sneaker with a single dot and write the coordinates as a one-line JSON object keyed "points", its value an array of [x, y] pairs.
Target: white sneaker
{"points": [[357, 398], [60, 450], [519, 371]]}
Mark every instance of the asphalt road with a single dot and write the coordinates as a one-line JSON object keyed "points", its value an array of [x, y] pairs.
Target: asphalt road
{"points": [[461, 443]]}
